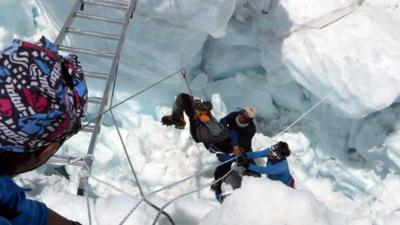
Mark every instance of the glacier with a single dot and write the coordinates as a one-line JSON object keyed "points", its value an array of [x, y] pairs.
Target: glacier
{"points": [[281, 56]]}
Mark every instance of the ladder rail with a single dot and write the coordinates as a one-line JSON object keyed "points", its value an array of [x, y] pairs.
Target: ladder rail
{"points": [[86, 162], [61, 36], [111, 78]]}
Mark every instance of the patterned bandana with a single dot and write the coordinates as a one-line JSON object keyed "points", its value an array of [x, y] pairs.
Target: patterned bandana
{"points": [[42, 96]]}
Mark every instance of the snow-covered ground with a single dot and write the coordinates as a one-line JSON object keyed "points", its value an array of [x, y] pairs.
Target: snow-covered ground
{"points": [[283, 57]]}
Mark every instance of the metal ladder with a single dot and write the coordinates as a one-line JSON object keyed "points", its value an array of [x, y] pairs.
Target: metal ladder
{"points": [[78, 11]]}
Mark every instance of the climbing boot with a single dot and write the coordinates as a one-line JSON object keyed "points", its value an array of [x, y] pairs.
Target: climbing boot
{"points": [[216, 186], [170, 120], [219, 197]]}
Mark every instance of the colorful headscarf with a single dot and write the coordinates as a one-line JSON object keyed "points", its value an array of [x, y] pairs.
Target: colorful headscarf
{"points": [[42, 96]]}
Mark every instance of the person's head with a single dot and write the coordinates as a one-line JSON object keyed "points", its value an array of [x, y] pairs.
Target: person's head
{"points": [[245, 116], [279, 151], [39, 108]]}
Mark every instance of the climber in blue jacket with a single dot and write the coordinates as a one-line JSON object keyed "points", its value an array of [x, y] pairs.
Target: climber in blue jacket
{"points": [[277, 167]]}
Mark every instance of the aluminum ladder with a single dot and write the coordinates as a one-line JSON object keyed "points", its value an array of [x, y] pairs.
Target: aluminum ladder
{"points": [[78, 11]]}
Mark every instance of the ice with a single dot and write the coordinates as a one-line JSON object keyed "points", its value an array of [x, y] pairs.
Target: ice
{"points": [[352, 64], [267, 202], [282, 57], [210, 16]]}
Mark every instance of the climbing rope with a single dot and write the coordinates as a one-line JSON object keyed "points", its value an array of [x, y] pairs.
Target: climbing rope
{"points": [[306, 113], [190, 192], [133, 170], [183, 73], [126, 154], [173, 184], [127, 99], [173, 12], [316, 23], [333, 90], [88, 201]]}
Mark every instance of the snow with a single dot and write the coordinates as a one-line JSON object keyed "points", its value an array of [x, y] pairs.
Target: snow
{"points": [[282, 57], [353, 63], [269, 202]]}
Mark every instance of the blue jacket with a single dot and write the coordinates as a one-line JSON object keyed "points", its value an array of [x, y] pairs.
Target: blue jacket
{"points": [[278, 171], [15, 209]]}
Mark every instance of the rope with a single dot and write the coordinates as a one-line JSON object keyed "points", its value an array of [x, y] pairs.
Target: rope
{"points": [[112, 186], [183, 73], [127, 155], [133, 170], [173, 13], [351, 7], [188, 193], [87, 201], [127, 99], [171, 185], [308, 111], [317, 103]]}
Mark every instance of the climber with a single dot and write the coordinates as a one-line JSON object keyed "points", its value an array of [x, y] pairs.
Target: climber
{"points": [[204, 128], [42, 99], [242, 129], [277, 167], [225, 138]]}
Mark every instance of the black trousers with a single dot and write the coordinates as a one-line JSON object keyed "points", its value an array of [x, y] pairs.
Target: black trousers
{"points": [[221, 170], [183, 103]]}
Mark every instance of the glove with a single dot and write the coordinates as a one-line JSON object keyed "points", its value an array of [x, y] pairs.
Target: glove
{"points": [[242, 160]]}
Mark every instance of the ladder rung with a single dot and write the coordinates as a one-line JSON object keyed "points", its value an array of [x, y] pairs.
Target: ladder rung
{"points": [[86, 51], [88, 129], [95, 75], [95, 100], [105, 4], [66, 160], [92, 33], [99, 18]]}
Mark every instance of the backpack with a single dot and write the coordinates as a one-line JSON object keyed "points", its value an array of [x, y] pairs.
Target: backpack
{"points": [[208, 130]]}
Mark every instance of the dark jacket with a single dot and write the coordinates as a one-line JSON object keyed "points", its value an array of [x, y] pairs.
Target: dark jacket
{"points": [[239, 135]]}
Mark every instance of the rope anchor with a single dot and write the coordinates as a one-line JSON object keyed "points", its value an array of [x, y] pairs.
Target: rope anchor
{"points": [[183, 73]]}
